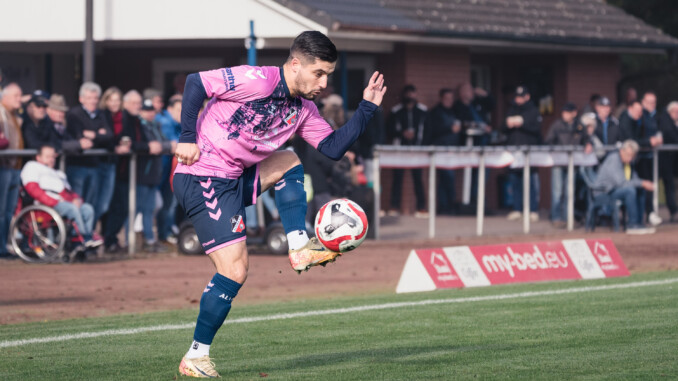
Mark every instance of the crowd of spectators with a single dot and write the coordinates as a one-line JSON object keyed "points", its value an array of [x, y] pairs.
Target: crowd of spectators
{"points": [[95, 189], [462, 117]]}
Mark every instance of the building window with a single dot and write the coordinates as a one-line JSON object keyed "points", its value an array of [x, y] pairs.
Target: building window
{"points": [[480, 77]]}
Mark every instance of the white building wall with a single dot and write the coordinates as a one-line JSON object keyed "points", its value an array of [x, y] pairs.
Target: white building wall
{"points": [[64, 20]]}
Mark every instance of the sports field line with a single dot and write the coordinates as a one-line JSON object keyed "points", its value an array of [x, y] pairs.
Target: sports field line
{"points": [[132, 331]]}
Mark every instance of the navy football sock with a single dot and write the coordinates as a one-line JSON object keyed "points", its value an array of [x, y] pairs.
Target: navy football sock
{"points": [[290, 198], [214, 306]]}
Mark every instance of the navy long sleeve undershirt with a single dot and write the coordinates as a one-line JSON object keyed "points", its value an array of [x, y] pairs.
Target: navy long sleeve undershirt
{"points": [[194, 96], [339, 141]]}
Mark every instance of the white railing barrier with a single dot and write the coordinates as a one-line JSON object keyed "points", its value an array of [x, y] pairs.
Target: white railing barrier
{"points": [[515, 157]]}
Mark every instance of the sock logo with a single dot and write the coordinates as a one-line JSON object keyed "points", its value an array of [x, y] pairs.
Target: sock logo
{"points": [[195, 345], [225, 297], [237, 224], [208, 287]]}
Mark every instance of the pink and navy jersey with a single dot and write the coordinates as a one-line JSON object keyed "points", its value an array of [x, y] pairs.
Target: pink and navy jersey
{"points": [[251, 114]]}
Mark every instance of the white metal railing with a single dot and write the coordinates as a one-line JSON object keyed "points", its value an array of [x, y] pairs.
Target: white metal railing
{"points": [[441, 157]]}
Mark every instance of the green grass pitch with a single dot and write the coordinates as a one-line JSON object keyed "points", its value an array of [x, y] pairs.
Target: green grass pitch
{"points": [[612, 334]]}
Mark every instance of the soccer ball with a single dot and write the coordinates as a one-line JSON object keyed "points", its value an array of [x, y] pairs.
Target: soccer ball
{"points": [[341, 225]]}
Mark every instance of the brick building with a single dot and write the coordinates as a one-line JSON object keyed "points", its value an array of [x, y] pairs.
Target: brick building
{"points": [[564, 50]]}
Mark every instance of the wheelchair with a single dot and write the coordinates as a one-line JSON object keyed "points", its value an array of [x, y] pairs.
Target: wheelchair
{"points": [[38, 234]]}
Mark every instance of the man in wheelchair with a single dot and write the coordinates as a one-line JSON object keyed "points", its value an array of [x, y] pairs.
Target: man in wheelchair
{"points": [[50, 187], [617, 180]]}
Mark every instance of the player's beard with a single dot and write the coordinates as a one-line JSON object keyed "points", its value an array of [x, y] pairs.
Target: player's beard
{"points": [[306, 95]]}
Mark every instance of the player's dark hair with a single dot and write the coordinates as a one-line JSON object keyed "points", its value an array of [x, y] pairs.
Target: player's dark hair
{"points": [[313, 45]]}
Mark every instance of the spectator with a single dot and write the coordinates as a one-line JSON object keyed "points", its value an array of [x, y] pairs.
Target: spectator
{"points": [[37, 129], [593, 101], [407, 126], [523, 127], [149, 172], [131, 133], [445, 131], [668, 126], [156, 98], [333, 111], [56, 112], [90, 176], [49, 187], [643, 130], [589, 122], [10, 134], [111, 109], [170, 125], [473, 106], [607, 130], [564, 131], [630, 96], [617, 179]]}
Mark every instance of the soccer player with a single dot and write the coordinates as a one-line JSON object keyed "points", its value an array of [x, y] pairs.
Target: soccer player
{"points": [[228, 155]]}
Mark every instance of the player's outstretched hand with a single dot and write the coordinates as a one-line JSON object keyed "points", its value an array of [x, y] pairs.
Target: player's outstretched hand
{"points": [[375, 90], [187, 153]]}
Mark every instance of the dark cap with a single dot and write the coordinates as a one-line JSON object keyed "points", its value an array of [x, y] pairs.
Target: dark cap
{"points": [[603, 101], [569, 106], [147, 105], [521, 91], [38, 100]]}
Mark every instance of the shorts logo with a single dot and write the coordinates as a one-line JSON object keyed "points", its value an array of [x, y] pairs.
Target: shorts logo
{"points": [[237, 224], [291, 117]]}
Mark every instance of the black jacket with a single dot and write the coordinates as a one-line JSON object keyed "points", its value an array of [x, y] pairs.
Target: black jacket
{"points": [[668, 128], [401, 119], [530, 132], [561, 133], [636, 130], [46, 134], [614, 132], [77, 121], [149, 167], [441, 120], [481, 105]]}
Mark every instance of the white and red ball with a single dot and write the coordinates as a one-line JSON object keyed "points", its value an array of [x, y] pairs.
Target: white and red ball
{"points": [[341, 225]]}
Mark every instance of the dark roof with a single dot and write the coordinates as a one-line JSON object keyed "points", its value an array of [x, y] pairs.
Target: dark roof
{"points": [[567, 22]]}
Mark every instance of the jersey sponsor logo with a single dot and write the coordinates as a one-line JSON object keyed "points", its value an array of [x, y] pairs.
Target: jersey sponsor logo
{"points": [[229, 79], [237, 224], [291, 116]]}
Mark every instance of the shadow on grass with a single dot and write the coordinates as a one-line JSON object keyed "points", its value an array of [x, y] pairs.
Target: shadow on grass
{"points": [[421, 355]]}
